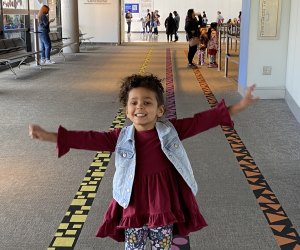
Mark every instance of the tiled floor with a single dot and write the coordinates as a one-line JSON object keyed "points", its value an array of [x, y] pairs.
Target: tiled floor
{"points": [[37, 190]]}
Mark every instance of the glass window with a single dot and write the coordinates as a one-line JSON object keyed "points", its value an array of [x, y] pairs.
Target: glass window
{"points": [[15, 4], [13, 22], [36, 4]]}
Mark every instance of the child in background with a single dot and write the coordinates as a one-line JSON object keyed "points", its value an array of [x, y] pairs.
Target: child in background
{"points": [[212, 47], [202, 46], [153, 187], [144, 21]]}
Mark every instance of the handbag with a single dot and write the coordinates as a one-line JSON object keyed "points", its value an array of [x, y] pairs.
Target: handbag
{"points": [[194, 41]]}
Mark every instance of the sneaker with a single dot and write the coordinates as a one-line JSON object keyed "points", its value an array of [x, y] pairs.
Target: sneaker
{"points": [[42, 61], [191, 65], [49, 62]]}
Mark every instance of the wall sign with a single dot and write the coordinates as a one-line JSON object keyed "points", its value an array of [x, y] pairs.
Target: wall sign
{"points": [[134, 8], [97, 2], [269, 19]]}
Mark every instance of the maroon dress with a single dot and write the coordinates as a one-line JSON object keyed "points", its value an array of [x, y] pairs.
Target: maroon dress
{"points": [[159, 196]]}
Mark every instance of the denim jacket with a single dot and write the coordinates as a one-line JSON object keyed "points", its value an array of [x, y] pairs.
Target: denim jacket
{"points": [[44, 24], [126, 159]]}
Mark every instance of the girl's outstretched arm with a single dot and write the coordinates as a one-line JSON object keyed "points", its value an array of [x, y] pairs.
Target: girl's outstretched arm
{"points": [[248, 100], [36, 132]]}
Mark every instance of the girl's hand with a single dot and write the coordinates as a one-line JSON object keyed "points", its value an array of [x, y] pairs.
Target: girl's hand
{"points": [[36, 132], [247, 100]]}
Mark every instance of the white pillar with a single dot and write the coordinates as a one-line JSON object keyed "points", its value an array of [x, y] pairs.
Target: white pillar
{"points": [[293, 67], [70, 24]]}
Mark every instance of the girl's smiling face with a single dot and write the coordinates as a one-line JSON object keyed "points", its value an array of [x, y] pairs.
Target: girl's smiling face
{"points": [[142, 108]]}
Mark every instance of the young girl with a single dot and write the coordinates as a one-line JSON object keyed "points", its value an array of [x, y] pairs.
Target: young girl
{"points": [[212, 47], [153, 187], [202, 46]]}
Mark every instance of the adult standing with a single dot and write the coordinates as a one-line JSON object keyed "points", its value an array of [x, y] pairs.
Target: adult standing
{"points": [[170, 27], [156, 22], [128, 17], [204, 19], [148, 17], [200, 19], [44, 29], [152, 17], [192, 30], [177, 21]]}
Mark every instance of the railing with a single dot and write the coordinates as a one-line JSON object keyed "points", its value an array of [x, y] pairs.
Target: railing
{"points": [[233, 32]]}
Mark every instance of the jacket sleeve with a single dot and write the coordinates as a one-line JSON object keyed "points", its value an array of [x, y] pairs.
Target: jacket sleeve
{"points": [[87, 140], [188, 127]]}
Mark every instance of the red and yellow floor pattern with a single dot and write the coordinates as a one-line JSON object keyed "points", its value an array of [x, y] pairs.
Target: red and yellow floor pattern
{"points": [[179, 242]]}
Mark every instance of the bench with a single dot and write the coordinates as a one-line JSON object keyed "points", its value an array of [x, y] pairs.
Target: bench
{"points": [[83, 40], [14, 51], [58, 43]]}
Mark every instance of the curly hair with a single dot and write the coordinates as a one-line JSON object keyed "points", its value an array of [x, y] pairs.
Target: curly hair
{"points": [[148, 81]]}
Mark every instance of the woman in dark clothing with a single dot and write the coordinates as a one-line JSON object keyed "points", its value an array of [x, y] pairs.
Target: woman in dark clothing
{"points": [[192, 30], [170, 26]]}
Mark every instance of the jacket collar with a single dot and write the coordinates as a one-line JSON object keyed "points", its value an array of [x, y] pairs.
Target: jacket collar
{"points": [[162, 127]]}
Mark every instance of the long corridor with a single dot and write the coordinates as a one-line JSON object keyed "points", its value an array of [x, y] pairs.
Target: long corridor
{"points": [[248, 177]]}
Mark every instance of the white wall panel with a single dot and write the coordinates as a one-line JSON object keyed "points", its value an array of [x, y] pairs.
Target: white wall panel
{"points": [[100, 20], [293, 65]]}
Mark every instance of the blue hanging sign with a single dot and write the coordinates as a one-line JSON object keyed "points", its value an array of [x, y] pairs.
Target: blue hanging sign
{"points": [[133, 7]]}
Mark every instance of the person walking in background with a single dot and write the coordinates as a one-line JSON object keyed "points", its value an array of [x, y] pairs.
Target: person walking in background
{"points": [[192, 31], [151, 21], [155, 26], [156, 22], [143, 20], [44, 29], [153, 201], [128, 17], [170, 27], [204, 19], [200, 19], [177, 22], [148, 18], [240, 18]]}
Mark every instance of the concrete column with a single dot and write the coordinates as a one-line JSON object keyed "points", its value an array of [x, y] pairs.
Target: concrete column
{"points": [[70, 24]]}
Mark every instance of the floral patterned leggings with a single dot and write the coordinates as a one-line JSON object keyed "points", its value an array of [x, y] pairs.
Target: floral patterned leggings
{"points": [[160, 237]]}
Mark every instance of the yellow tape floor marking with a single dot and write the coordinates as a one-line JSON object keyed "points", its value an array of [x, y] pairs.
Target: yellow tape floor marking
{"points": [[70, 228]]}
